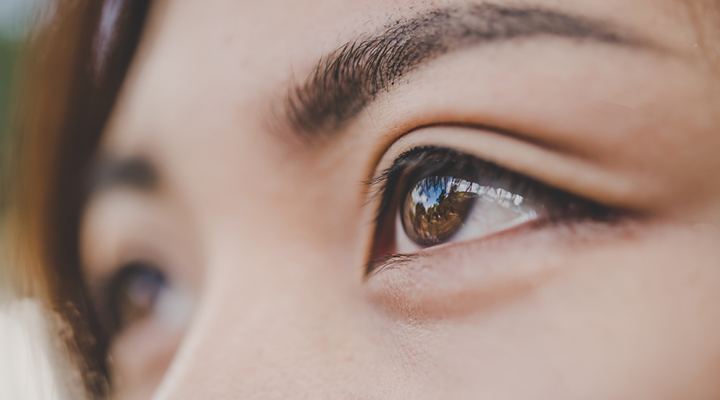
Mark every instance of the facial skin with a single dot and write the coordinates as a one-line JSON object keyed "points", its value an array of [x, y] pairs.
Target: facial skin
{"points": [[263, 226]]}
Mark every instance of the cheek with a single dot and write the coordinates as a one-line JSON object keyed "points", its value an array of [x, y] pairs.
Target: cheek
{"points": [[139, 358], [640, 312]]}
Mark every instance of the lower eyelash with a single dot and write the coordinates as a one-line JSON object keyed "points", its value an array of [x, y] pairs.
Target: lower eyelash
{"points": [[379, 186], [375, 266], [397, 261]]}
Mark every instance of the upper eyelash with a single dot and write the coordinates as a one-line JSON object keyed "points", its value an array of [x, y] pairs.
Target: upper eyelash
{"points": [[520, 183], [379, 186]]}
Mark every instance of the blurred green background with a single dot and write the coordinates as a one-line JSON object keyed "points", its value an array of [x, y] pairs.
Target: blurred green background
{"points": [[9, 50], [15, 19]]}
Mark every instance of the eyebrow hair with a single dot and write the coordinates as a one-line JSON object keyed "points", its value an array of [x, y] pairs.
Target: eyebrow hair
{"points": [[112, 172], [349, 78]]}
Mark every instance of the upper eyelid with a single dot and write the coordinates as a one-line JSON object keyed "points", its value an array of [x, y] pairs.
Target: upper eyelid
{"points": [[500, 173], [543, 168]]}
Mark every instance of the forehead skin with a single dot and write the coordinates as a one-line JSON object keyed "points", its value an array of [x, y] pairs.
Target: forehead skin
{"points": [[281, 229]]}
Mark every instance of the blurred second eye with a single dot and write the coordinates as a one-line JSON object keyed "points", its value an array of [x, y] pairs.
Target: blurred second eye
{"points": [[136, 291]]}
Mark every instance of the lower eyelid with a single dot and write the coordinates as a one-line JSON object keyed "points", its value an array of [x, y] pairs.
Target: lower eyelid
{"points": [[437, 284], [442, 251], [456, 279], [400, 259], [404, 257]]}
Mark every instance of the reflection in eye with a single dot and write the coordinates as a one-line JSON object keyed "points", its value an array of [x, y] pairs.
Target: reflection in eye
{"points": [[438, 207], [433, 195]]}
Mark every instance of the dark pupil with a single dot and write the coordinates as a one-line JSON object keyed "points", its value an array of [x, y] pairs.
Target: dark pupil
{"points": [[436, 208], [136, 293]]}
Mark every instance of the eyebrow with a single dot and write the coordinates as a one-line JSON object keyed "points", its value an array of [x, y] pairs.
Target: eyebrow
{"points": [[349, 78], [112, 172]]}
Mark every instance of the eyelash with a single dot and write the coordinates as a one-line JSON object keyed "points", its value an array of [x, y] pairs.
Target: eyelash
{"points": [[426, 161]]}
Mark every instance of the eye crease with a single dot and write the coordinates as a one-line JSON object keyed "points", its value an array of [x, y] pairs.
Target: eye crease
{"points": [[432, 196]]}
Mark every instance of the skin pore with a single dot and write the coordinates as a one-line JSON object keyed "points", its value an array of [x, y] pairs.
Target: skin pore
{"points": [[236, 238]]}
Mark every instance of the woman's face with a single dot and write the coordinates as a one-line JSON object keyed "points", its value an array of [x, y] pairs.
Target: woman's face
{"points": [[412, 199]]}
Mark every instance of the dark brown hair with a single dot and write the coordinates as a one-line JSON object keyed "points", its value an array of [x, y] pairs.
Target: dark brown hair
{"points": [[71, 72]]}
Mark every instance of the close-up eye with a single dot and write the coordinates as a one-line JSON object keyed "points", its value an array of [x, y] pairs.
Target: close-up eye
{"points": [[373, 199], [432, 196]]}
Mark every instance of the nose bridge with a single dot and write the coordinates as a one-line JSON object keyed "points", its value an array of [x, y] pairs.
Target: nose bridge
{"points": [[282, 324], [281, 312]]}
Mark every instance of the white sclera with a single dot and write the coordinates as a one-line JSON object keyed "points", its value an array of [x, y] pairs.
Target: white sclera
{"points": [[495, 210]]}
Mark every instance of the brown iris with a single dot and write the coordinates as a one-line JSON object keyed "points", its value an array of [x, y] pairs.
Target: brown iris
{"points": [[436, 208]]}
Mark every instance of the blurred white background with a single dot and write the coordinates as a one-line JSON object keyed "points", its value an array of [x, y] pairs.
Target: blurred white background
{"points": [[25, 368]]}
